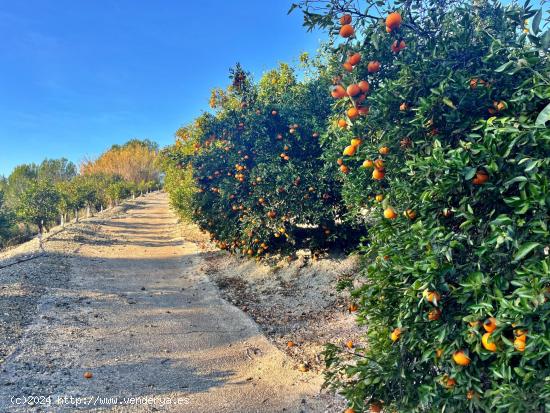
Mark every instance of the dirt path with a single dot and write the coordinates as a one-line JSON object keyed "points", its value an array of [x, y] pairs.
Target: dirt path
{"points": [[137, 310]]}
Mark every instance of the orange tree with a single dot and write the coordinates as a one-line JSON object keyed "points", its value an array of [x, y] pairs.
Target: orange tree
{"points": [[262, 185], [444, 149]]}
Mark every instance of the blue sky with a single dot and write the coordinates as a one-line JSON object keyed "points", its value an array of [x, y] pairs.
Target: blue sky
{"points": [[78, 76]]}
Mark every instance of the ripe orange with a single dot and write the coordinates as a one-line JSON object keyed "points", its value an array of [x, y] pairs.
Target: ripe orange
{"points": [[393, 21], [353, 90], [339, 161], [342, 123], [396, 333], [488, 345], [347, 31], [375, 407], [379, 198], [378, 174], [88, 375], [470, 394], [461, 358], [449, 382], [353, 307], [338, 92], [434, 314], [364, 86], [349, 344], [490, 324], [379, 164], [274, 112], [480, 178], [345, 19], [432, 296], [403, 107], [271, 214], [344, 169], [519, 344], [389, 213], [290, 344], [356, 142], [347, 66], [354, 58], [349, 150], [384, 150], [373, 66], [363, 110], [349, 410], [367, 163], [409, 213], [352, 113]]}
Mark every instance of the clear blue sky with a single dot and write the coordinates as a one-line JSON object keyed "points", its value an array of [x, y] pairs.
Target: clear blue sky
{"points": [[79, 76]]}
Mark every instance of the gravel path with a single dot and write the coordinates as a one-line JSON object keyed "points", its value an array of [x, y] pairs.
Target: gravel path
{"points": [[126, 298]]}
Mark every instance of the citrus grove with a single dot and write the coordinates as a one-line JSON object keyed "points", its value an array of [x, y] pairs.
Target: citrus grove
{"points": [[419, 138]]}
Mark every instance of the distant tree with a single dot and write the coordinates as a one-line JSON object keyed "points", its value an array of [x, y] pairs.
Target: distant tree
{"points": [[18, 181], [38, 205], [56, 170], [6, 218], [134, 161]]}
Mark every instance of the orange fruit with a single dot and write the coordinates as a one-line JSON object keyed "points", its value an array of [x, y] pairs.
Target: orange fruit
{"points": [[373, 66], [342, 123], [434, 314], [347, 31], [396, 46], [356, 142], [88, 375], [349, 410], [367, 163], [490, 324], [379, 164], [349, 150], [352, 113], [409, 213], [470, 394], [432, 296], [271, 214], [353, 307], [519, 344], [290, 344], [461, 358], [338, 92], [347, 66], [393, 21], [349, 344], [449, 382], [345, 19], [379, 198], [481, 177], [488, 345], [389, 213], [375, 407], [378, 174], [354, 58], [353, 90], [344, 169], [339, 161], [364, 86], [364, 110], [439, 352], [384, 150], [395, 334], [403, 107]]}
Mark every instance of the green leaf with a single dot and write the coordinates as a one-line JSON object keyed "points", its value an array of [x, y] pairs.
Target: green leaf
{"points": [[536, 21], [543, 116], [545, 40], [525, 249], [449, 103], [504, 67]]}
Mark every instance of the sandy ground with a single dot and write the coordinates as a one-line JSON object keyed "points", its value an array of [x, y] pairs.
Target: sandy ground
{"points": [[127, 297]]}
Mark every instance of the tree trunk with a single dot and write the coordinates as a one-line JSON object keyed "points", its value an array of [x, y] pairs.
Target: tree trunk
{"points": [[62, 219], [88, 211], [76, 215]]}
